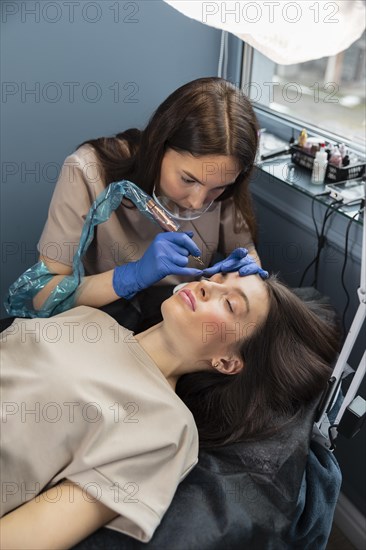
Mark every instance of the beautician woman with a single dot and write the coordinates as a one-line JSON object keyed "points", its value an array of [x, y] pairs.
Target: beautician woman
{"points": [[195, 157]]}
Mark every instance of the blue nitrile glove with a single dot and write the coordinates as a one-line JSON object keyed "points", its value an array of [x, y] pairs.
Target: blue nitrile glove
{"points": [[167, 255], [238, 260]]}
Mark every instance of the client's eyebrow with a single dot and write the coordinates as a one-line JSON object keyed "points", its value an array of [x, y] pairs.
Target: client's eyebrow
{"points": [[240, 292]]}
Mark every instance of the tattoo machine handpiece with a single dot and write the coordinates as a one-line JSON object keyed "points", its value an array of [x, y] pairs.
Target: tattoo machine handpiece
{"points": [[165, 222]]}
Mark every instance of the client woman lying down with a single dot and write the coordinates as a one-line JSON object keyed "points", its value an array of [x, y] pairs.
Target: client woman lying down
{"points": [[100, 426]]}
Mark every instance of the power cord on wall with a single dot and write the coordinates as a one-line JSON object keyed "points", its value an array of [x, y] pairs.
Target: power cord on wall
{"points": [[362, 206], [333, 207], [321, 240], [321, 236]]}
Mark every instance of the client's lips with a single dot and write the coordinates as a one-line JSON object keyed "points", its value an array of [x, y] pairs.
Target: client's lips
{"points": [[187, 295]]}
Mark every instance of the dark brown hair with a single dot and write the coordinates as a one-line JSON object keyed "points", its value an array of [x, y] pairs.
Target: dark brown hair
{"points": [[287, 364], [208, 116]]}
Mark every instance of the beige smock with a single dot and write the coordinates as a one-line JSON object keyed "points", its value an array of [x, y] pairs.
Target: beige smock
{"points": [[128, 233], [82, 400]]}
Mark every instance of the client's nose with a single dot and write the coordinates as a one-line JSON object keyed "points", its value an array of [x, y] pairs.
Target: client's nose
{"points": [[203, 291], [208, 289]]}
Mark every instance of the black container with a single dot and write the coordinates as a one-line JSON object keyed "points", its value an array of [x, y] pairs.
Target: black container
{"points": [[333, 173]]}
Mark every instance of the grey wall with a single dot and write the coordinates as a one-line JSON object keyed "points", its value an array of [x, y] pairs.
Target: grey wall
{"points": [[90, 79], [287, 244]]}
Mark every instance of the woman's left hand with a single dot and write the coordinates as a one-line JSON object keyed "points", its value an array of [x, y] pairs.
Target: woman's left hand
{"points": [[239, 260]]}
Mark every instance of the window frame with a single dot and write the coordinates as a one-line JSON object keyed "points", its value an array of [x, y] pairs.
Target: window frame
{"points": [[282, 125]]}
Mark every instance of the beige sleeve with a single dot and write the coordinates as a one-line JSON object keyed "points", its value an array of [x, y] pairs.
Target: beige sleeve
{"points": [[228, 239], [78, 185], [140, 488]]}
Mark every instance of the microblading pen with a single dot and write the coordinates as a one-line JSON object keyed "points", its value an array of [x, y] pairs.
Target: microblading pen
{"points": [[165, 222]]}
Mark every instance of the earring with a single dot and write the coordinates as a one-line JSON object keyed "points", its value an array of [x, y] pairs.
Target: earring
{"points": [[216, 365]]}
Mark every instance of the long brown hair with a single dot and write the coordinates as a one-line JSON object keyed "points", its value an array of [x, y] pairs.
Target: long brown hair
{"points": [[287, 364], [208, 116]]}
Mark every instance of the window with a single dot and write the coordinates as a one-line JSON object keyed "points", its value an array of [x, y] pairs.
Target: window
{"points": [[328, 93]]}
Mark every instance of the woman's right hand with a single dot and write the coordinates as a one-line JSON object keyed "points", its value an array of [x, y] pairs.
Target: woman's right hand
{"points": [[167, 255]]}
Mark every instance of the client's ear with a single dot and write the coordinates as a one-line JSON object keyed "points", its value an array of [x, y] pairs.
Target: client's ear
{"points": [[228, 365]]}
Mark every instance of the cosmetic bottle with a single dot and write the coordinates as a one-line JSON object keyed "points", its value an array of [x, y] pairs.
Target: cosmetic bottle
{"points": [[303, 137], [345, 161], [336, 157], [320, 166], [343, 150], [353, 159]]}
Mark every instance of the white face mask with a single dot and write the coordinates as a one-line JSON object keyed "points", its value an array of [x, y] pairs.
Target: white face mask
{"points": [[178, 212]]}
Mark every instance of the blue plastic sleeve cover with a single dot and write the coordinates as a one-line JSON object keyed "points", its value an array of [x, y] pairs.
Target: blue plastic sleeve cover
{"points": [[19, 300]]}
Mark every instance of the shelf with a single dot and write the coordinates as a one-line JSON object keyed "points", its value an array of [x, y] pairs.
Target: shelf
{"points": [[278, 168]]}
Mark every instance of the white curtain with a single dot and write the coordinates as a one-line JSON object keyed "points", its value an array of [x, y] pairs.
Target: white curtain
{"points": [[286, 32]]}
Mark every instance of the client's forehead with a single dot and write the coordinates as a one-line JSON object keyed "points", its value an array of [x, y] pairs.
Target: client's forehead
{"points": [[234, 279]]}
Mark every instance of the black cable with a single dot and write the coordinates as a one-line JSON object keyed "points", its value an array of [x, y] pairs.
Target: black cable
{"points": [[312, 209], [344, 269], [305, 272], [320, 236], [317, 235]]}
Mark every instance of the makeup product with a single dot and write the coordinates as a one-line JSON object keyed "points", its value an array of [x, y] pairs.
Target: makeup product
{"points": [[312, 144], [303, 137], [342, 149], [336, 157], [320, 165], [345, 161], [353, 158], [166, 223]]}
